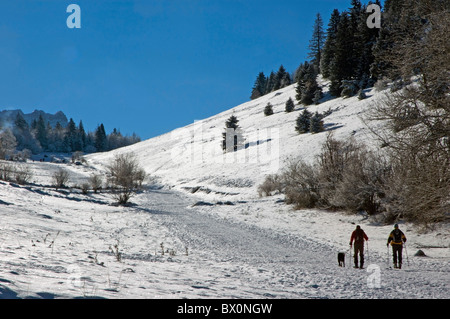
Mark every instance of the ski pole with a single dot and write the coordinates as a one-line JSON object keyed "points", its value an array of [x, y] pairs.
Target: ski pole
{"points": [[367, 248], [387, 255], [406, 251], [350, 255]]}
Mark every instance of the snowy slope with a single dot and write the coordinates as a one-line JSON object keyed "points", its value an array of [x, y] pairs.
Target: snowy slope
{"points": [[63, 244], [191, 157]]}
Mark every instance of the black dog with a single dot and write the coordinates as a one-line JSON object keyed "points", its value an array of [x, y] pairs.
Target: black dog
{"points": [[341, 259]]}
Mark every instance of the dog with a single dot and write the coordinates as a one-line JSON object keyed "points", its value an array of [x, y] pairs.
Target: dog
{"points": [[341, 259]]}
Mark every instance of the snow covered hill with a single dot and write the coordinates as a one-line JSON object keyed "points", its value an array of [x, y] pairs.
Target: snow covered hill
{"points": [[191, 158], [66, 244]]}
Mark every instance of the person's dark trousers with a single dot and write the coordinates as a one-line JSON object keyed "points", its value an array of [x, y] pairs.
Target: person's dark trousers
{"points": [[397, 252], [359, 249]]}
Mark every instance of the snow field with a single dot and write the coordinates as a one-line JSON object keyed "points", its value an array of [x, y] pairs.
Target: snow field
{"points": [[63, 244]]}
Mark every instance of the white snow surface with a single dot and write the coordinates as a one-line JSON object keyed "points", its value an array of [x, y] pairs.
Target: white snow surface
{"points": [[64, 244]]}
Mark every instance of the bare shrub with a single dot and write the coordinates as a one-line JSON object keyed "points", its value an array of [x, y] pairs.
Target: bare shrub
{"points": [[60, 178], [302, 187], [85, 188], [271, 184], [362, 184], [96, 182], [8, 144], [22, 174], [6, 171], [418, 189], [347, 176], [126, 177], [334, 159]]}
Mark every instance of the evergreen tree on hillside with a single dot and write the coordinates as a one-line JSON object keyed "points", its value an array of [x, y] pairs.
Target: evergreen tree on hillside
{"points": [[259, 89], [367, 38], [20, 123], [71, 137], [275, 81], [271, 82], [82, 136], [329, 48], [306, 78], [41, 132], [342, 64], [389, 34], [101, 141], [316, 123], [289, 105], [22, 133], [303, 122], [282, 79], [268, 110], [309, 91], [318, 95], [316, 43]]}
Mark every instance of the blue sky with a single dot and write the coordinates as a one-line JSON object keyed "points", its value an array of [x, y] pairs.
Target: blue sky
{"points": [[148, 66]]}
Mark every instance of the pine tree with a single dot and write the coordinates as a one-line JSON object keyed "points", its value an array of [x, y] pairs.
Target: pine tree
{"points": [[316, 123], [70, 137], [232, 138], [23, 135], [289, 105], [329, 48], [316, 43], [41, 132], [286, 80], [20, 122], [341, 66], [389, 34], [309, 91], [271, 81], [366, 39], [101, 142], [305, 75], [259, 89], [303, 122], [268, 110], [82, 136], [317, 96], [281, 78]]}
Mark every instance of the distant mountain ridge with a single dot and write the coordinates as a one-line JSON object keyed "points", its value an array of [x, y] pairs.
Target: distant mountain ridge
{"points": [[9, 116]]}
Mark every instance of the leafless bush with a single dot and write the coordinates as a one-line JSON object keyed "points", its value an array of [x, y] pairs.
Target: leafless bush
{"points": [[8, 143], [302, 187], [22, 174], [418, 188], [336, 157], [271, 184], [347, 176], [60, 178], [78, 157], [126, 176], [6, 171], [84, 188], [96, 182], [362, 183]]}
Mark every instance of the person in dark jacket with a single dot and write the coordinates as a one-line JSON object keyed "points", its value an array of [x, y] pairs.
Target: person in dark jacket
{"points": [[358, 236], [397, 238]]}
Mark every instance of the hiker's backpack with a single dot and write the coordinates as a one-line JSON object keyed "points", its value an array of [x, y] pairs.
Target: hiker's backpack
{"points": [[359, 236], [397, 236]]}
